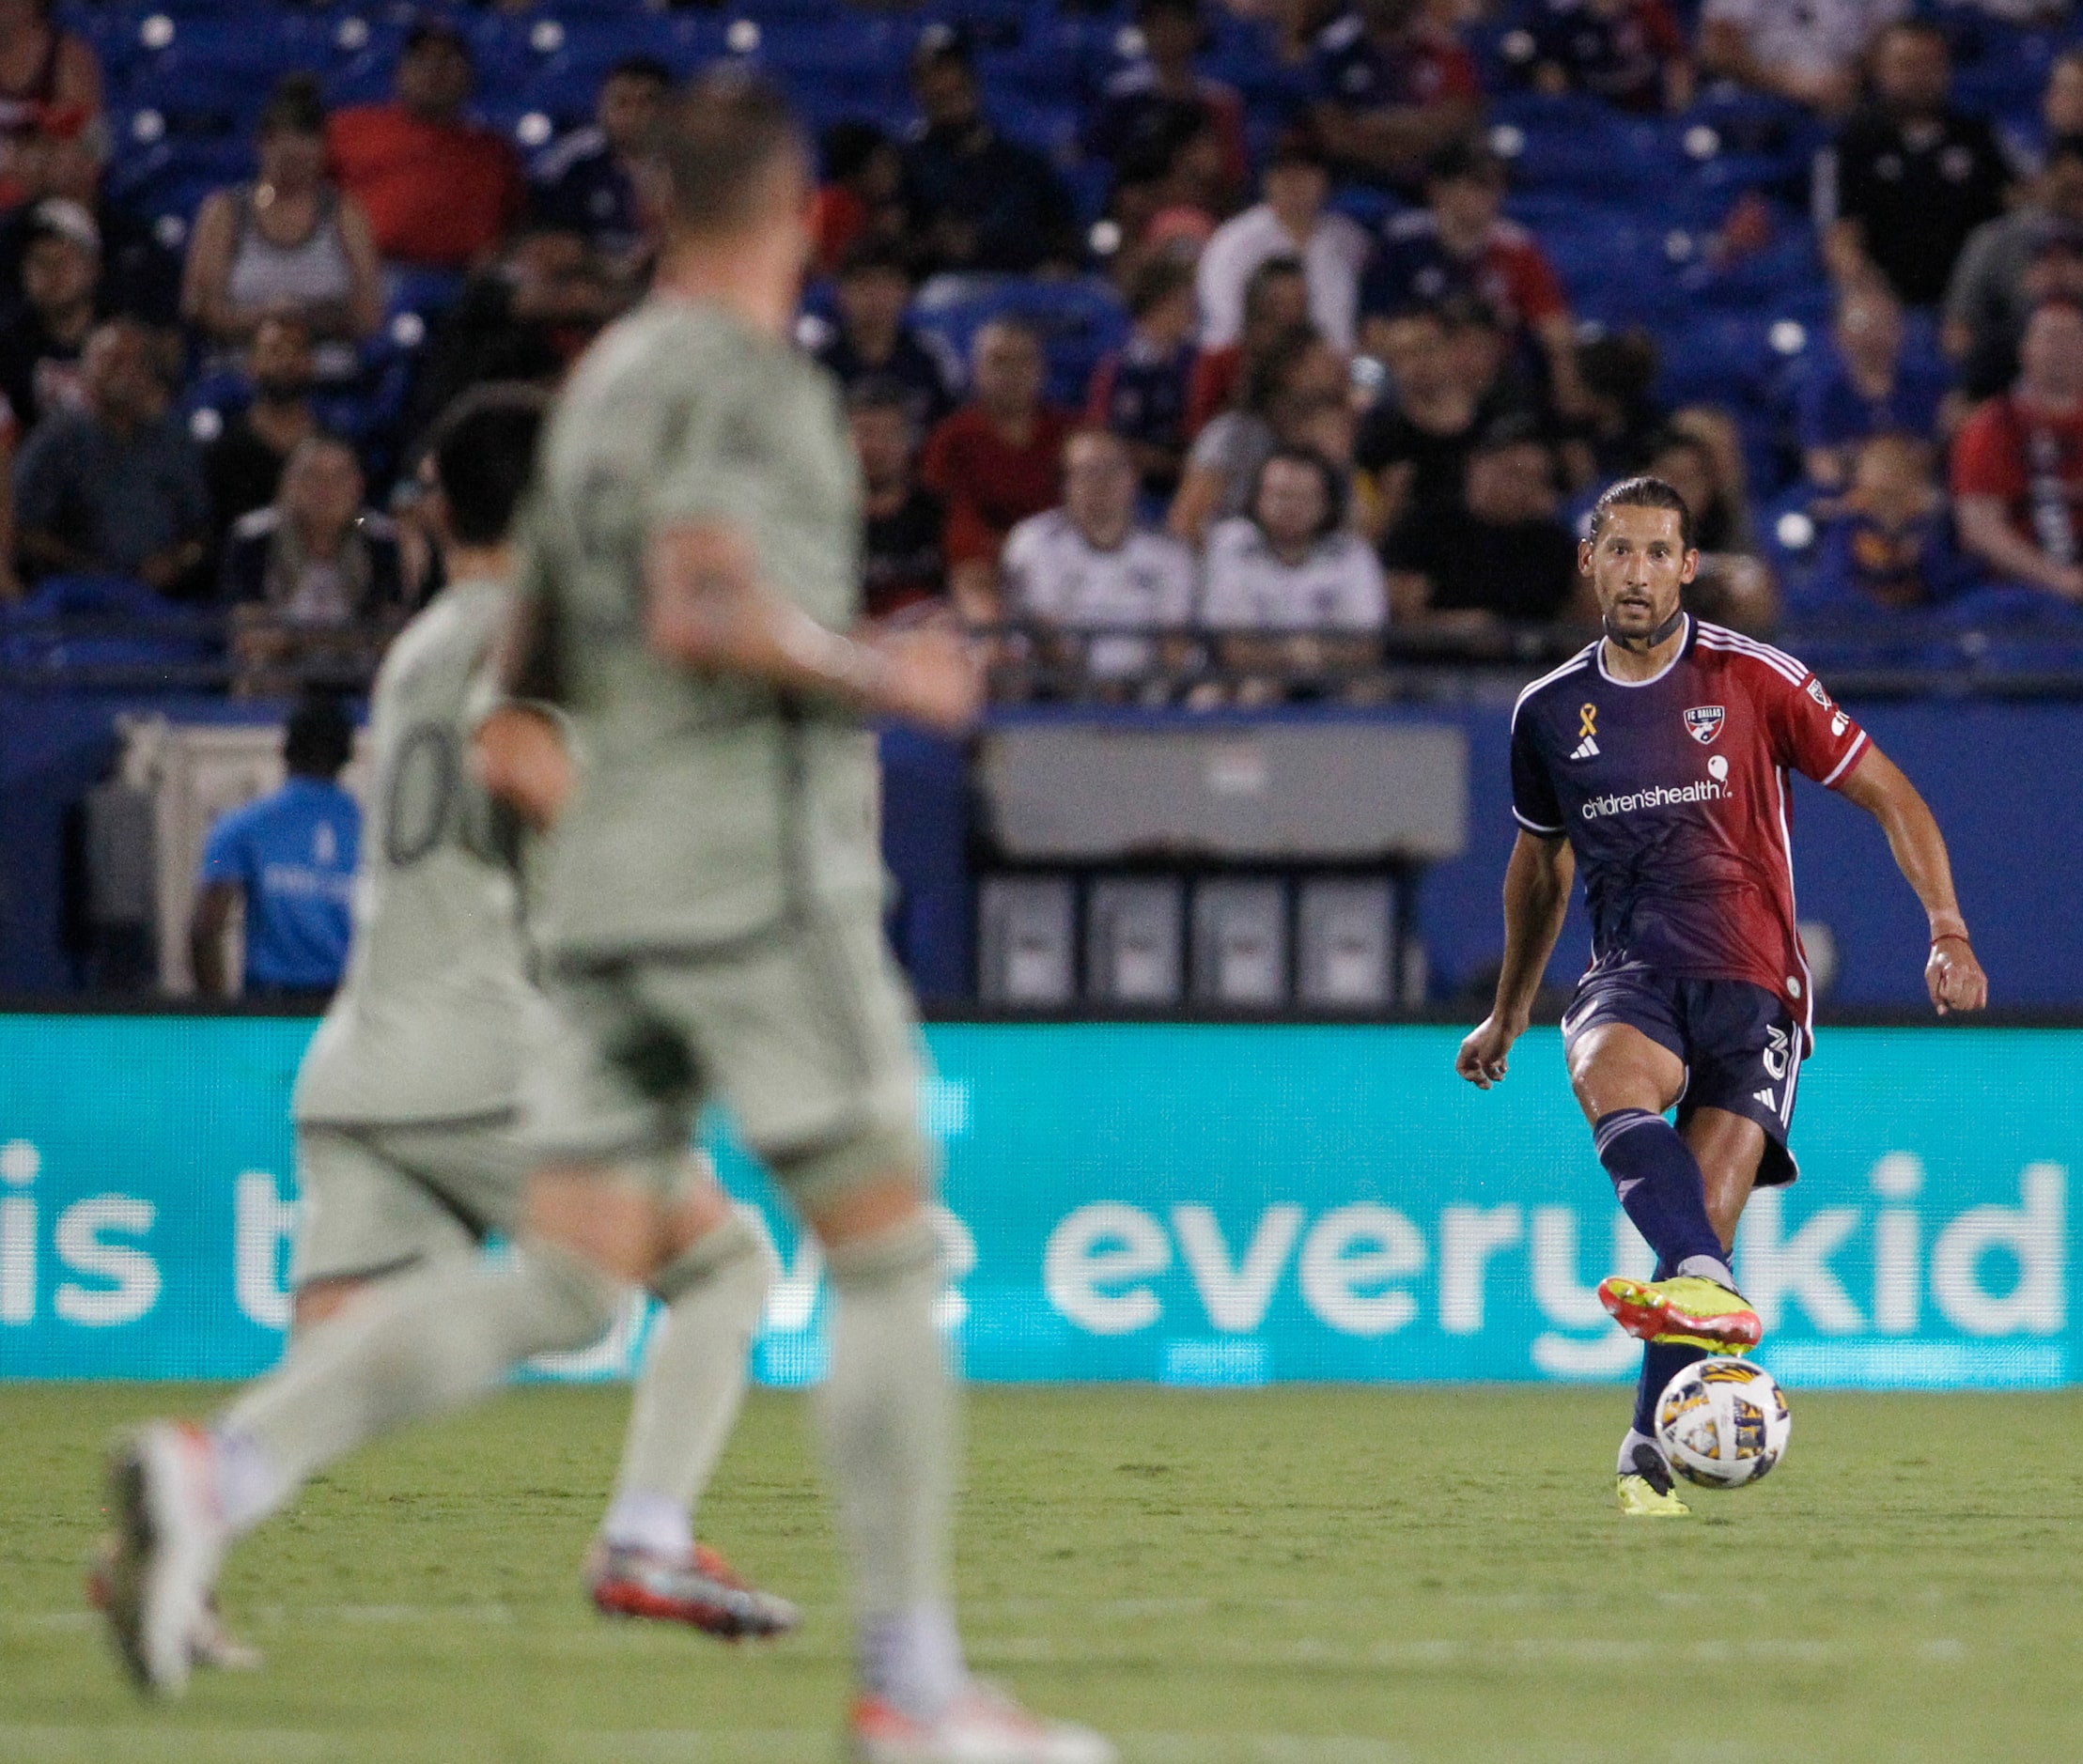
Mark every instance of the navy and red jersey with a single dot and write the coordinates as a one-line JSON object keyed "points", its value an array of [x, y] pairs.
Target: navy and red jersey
{"points": [[1672, 793]]}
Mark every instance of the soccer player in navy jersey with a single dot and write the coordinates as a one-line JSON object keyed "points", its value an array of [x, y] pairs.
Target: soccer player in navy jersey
{"points": [[1656, 760]]}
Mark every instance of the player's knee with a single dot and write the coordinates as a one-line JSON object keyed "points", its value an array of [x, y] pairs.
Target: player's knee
{"points": [[573, 1302], [732, 1255], [899, 1252], [877, 1171]]}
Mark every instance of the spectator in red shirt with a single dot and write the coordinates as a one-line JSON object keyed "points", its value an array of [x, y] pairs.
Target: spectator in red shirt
{"points": [[1391, 89], [857, 206], [2017, 466], [1459, 243], [440, 192], [996, 461]]}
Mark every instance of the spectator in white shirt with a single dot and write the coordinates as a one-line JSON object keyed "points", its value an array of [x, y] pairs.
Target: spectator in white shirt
{"points": [[1091, 570], [1293, 588], [1290, 223], [1809, 51]]}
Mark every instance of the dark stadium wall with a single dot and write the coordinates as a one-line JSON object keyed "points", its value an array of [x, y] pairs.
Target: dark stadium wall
{"points": [[1999, 774]]}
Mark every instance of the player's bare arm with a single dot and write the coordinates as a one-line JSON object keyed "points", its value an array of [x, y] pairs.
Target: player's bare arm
{"points": [[709, 611], [521, 759], [1537, 895], [1951, 974]]}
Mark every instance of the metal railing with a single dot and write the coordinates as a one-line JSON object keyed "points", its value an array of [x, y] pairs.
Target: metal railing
{"points": [[184, 649]]}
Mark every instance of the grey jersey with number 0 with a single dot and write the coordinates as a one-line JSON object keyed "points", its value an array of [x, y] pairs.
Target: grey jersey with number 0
{"points": [[428, 1023], [710, 808]]}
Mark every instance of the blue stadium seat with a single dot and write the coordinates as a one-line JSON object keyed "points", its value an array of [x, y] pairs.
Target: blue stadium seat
{"points": [[1715, 358], [74, 625], [1736, 140], [173, 176], [426, 293], [1574, 145]]}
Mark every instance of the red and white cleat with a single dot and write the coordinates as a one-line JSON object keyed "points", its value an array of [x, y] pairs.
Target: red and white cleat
{"points": [[169, 1540], [701, 1590], [213, 1644], [980, 1726]]}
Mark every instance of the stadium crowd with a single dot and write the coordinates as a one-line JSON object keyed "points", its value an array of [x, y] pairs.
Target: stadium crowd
{"points": [[1212, 374]]}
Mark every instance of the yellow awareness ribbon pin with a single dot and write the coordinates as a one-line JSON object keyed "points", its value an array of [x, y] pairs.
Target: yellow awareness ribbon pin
{"points": [[1587, 719]]}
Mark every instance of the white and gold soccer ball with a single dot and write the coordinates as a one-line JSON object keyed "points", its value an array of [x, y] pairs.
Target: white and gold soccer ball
{"points": [[1722, 1423]]}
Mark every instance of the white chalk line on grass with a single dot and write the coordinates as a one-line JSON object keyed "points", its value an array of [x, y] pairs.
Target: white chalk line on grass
{"points": [[171, 1745], [84, 1745], [1086, 1611], [1344, 1654]]}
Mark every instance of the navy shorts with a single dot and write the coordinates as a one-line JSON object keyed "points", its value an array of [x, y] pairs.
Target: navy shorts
{"points": [[1740, 1045]]}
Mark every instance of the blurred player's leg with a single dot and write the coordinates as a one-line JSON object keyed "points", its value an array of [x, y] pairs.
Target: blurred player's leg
{"points": [[888, 1412], [887, 1408], [647, 1562], [812, 1041], [432, 1342]]}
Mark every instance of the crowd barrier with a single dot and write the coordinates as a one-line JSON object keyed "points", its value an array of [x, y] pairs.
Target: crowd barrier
{"points": [[1992, 768], [1178, 1203]]}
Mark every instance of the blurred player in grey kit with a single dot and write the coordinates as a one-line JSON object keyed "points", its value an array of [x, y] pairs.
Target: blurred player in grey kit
{"points": [[409, 1144], [688, 594]]}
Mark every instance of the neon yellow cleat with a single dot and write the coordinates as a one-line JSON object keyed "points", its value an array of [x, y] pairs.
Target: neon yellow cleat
{"points": [[1640, 1499], [1646, 1490], [1688, 1310]]}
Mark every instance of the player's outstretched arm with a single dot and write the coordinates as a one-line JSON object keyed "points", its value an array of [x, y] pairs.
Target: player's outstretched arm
{"points": [[708, 610], [1951, 974], [1537, 895]]}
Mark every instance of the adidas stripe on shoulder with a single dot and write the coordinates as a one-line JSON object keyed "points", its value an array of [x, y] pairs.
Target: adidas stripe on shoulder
{"points": [[1735, 643]]}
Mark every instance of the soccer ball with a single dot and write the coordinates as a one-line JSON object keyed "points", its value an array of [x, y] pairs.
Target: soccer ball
{"points": [[1722, 1423]]}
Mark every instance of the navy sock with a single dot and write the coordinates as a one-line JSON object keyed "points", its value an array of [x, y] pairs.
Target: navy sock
{"points": [[1657, 1180]]}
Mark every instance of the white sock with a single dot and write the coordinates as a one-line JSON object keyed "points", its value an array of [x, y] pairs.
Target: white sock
{"points": [[692, 1382], [912, 1660], [1627, 1447], [640, 1519], [1708, 1268], [249, 1484]]}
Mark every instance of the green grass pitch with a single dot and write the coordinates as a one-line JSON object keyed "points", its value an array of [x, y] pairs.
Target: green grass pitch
{"points": [[1304, 1576]]}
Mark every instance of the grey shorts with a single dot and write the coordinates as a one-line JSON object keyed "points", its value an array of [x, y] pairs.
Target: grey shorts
{"points": [[374, 1200], [809, 1037]]}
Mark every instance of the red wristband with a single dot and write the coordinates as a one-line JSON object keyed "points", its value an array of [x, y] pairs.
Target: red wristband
{"points": [[1954, 936]]}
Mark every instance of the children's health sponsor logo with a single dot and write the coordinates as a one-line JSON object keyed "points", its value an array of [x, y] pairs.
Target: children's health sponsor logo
{"points": [[1655, 797]]}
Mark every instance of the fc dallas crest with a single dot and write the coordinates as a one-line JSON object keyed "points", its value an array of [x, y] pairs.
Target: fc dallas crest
{"points": [[1705, 721]]}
